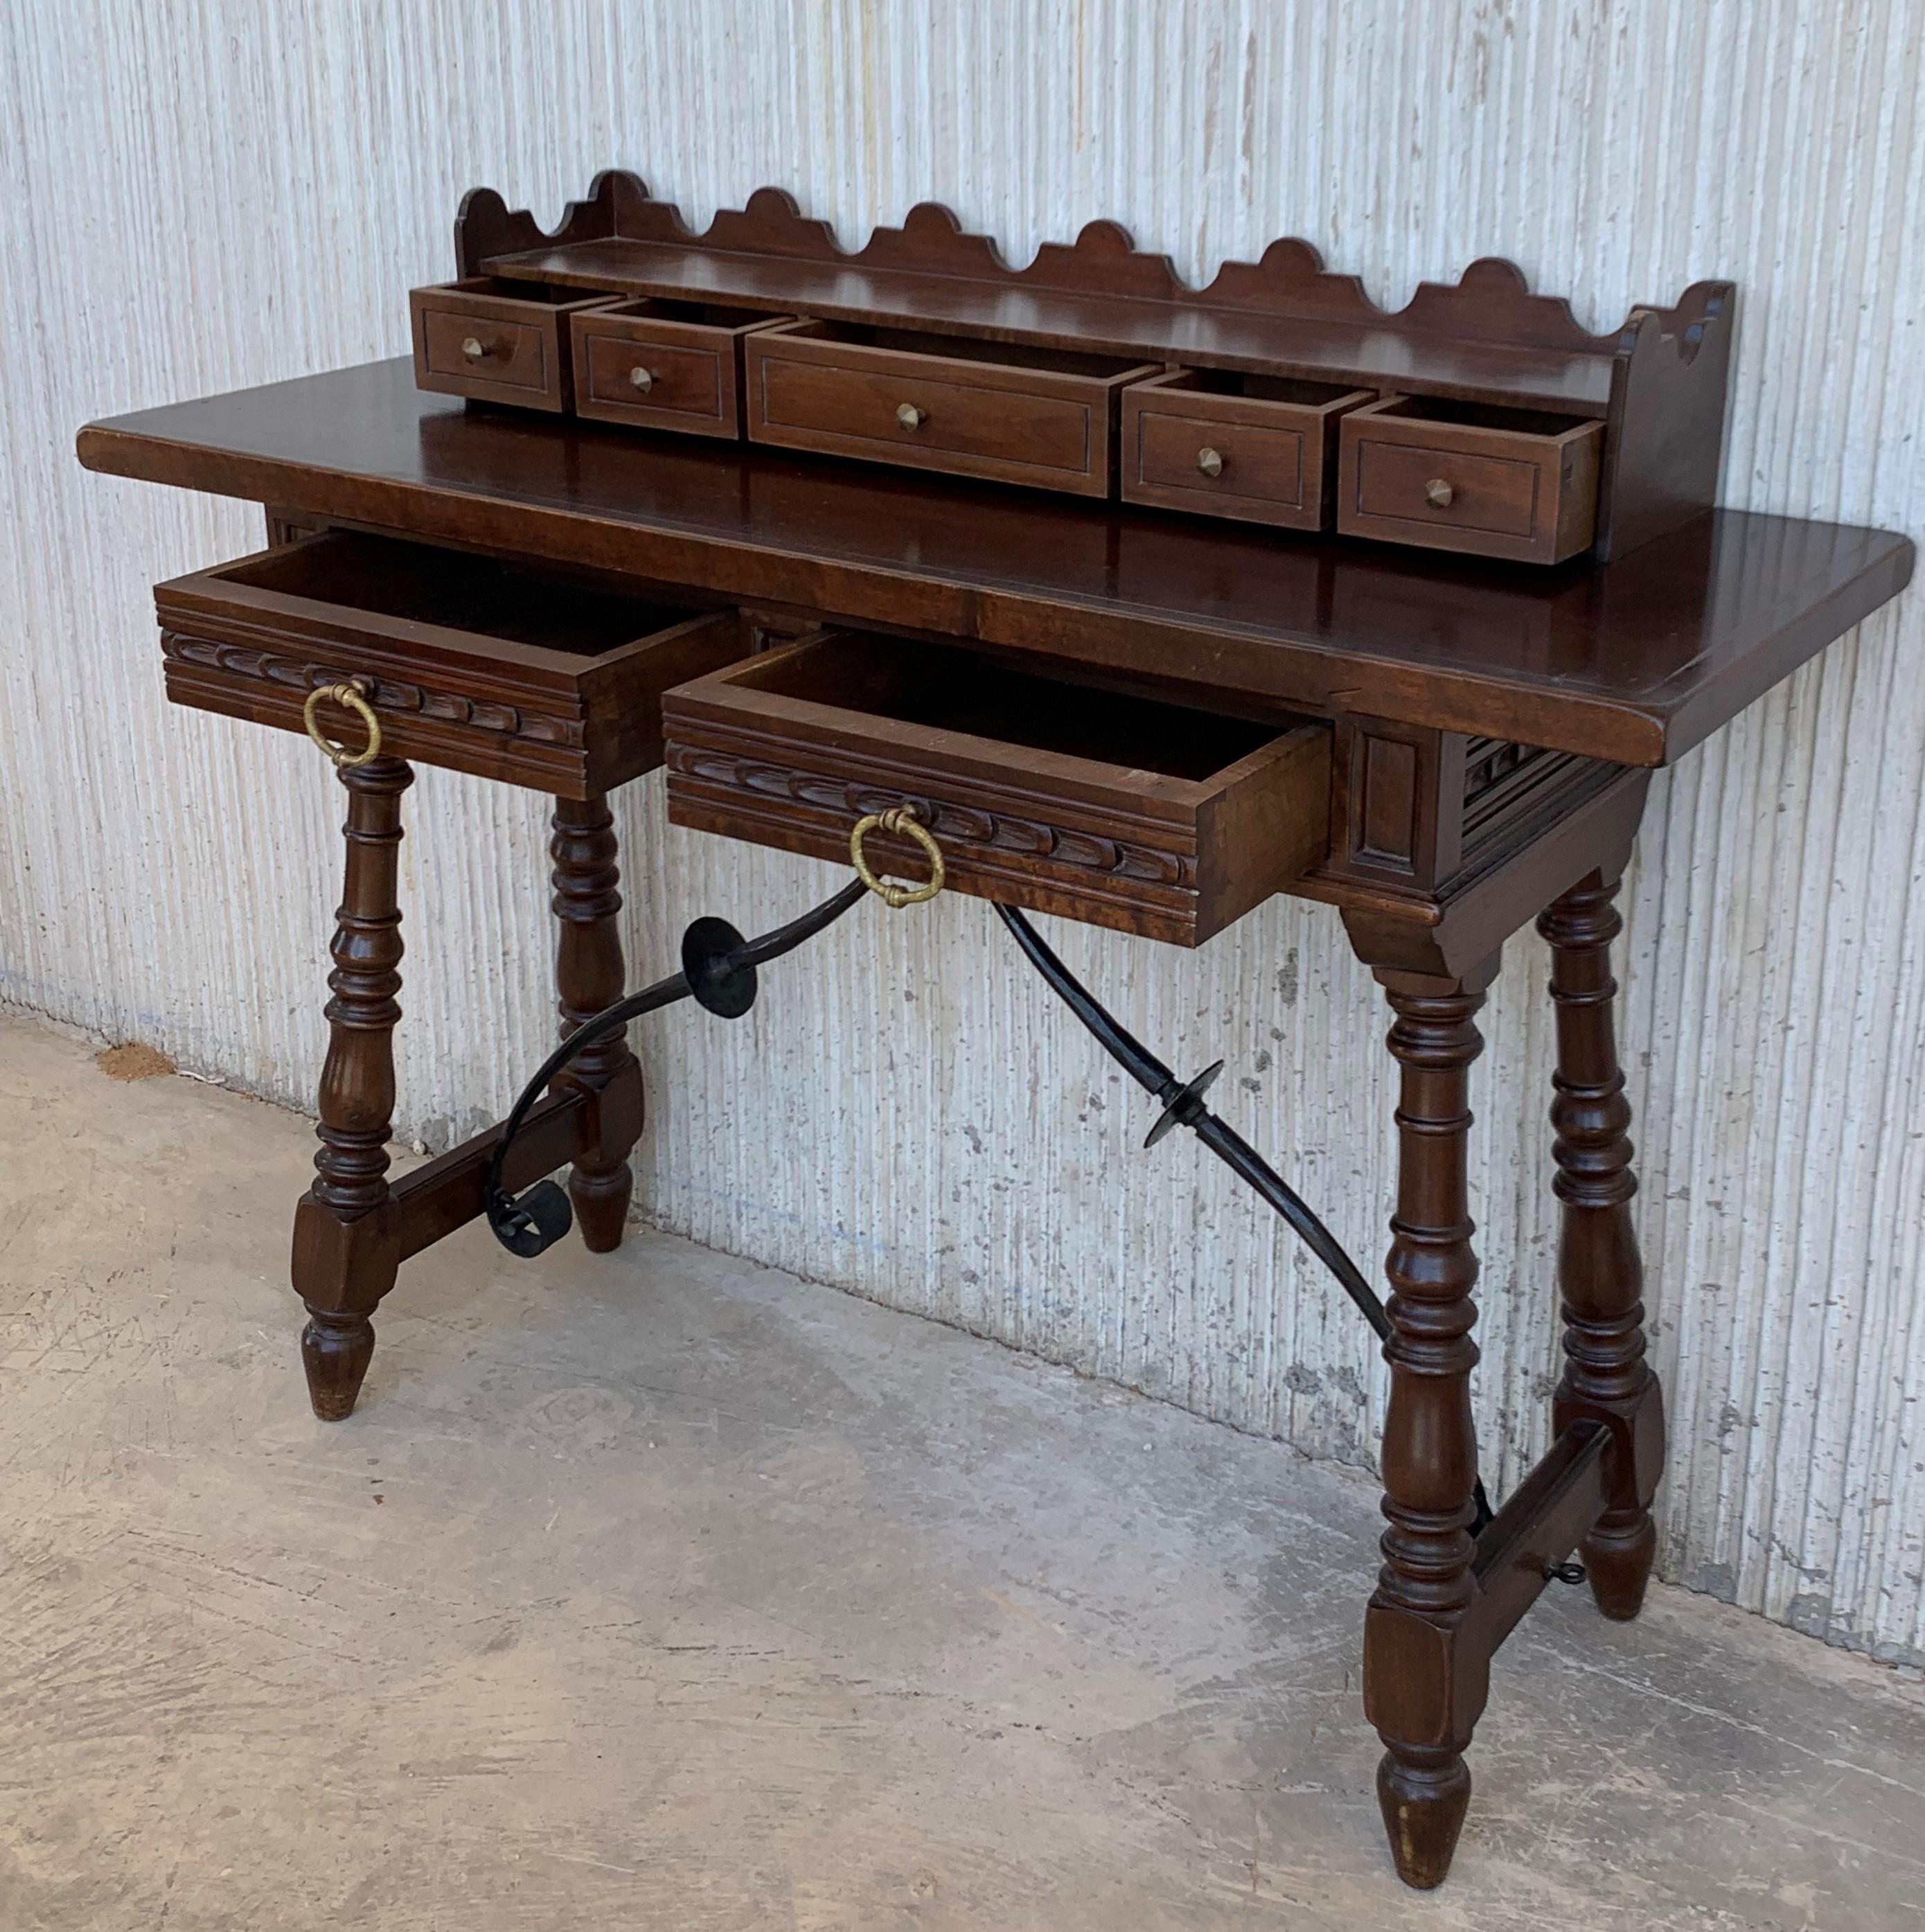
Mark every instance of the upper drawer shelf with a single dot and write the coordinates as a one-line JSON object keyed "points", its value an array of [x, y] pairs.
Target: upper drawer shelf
{"points": [[1026, 375]]}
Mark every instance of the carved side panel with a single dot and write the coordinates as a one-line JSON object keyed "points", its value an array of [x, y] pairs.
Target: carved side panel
{"points": [[1418, 815], [1664, 438], [1398, 806], [1510, 790]]}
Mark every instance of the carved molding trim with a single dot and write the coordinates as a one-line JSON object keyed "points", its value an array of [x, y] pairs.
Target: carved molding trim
{"points": [[392, 697], [1488, 761], [954, 824], [1502, 780]]}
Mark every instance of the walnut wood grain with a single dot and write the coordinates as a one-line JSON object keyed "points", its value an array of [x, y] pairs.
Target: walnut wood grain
{"points": [[1001, 413], [1146, 817], [1257, 448], [663, 365], [345, 1252], [1658, 384], [497, 341], [1486, 336], [588, 976], [1425, 1676], [1665, 458], [535, 680], [1500, 483], [1636, 662], [1600, 1272], [1491, 730]]}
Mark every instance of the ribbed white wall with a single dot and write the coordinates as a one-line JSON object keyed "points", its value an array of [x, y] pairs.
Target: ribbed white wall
{"points": [[205, 194]]}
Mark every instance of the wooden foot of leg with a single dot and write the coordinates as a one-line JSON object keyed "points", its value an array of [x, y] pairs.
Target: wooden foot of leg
{"points": [[345, 1251], [1424, 1795], [588, 977], [335, 1350], [1425, 1675], [600, 1201], [1617, 1557], [1600, 1275]]}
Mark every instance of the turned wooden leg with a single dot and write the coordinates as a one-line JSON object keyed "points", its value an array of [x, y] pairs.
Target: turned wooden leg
{"points": [[1600, 1276], [588, 977], [345, 1251], [1424, 1684]]}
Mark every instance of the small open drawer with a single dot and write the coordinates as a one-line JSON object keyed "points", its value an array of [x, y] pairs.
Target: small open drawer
{"points": [[1520, 484], [663, 364], [512, 673], [1128, 811], [497, 340], [1261, 448], [996, 409]]}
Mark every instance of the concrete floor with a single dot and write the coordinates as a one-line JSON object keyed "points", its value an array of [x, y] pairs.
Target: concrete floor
{"points": [[663, 1590]]}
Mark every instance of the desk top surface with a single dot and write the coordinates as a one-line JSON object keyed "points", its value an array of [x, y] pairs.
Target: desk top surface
{"points": [[1636, 661]]}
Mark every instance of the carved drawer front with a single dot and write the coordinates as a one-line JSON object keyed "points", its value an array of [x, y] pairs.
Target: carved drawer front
{"points": [[1259, 448], [1000, 410], [498, 341], [1126, 810], [1497, 482], [524, 675], [663, 365]]}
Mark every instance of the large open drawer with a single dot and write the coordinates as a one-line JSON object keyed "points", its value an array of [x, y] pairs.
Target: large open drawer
{"points": [[1125, 811], [508, 673]]}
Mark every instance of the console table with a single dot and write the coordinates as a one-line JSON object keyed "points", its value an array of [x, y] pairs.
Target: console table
{"points": [[1103, 710]]}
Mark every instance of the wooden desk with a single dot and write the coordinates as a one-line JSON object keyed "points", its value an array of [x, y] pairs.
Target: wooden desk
{"points": [[1490, 737]]}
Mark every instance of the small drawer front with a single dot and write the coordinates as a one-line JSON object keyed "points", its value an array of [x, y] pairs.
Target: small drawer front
{"points": [[497, 340], [1125, 812], [1454, 477], [507, 672], [1225, 445], [1494, 496], [1048, 422], [663, 365], [1212, 464], [471, 349]]}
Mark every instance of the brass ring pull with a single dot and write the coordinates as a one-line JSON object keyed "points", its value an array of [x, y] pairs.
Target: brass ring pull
{"points": [[900, 819], [350, 698]]}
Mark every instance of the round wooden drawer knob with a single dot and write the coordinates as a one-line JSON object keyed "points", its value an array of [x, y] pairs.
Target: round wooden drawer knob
{"points": [[642, 378], [1209, 461], [911, 417], [1438, 493], [473, 349]]}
